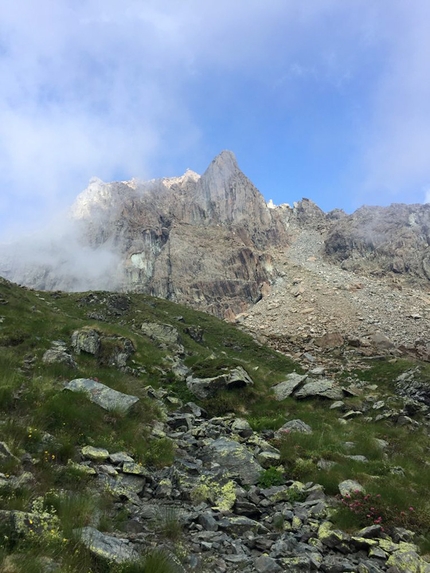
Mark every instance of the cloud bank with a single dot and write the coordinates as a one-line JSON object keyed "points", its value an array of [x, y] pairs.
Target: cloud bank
{"points": [[122, 89]]}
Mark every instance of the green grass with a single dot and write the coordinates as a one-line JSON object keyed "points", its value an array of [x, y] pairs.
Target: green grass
{"points": [[37, 417]]}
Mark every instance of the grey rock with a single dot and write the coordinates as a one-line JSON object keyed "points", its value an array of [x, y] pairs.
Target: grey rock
{"points": [[95, 454], [350, 486], [236, 459], [207, 387], [109, 548], [59, 355], [287, 387], [120, 457], [163, 333], [102, 395], [325, 388], [86, 340], [239, 525], [5, 453], [335, 564], [265, 564], [293, 426], [297, 564], [208, 522]]}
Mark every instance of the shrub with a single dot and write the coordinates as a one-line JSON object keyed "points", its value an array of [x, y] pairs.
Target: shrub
{"points": [[270, 477], [361, 509]]}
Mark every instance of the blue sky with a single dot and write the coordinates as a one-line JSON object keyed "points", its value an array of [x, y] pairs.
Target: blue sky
{"points": [[324, 99]]}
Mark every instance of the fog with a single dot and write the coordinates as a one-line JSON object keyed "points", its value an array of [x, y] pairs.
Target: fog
{"points": [[57, 258]]}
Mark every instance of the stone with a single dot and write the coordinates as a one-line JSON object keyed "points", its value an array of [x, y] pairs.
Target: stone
{"points": [[266, 564], [95, 454], [58, 354], [293, 426], [324, 388], [134, 469], [287, 387], [207, 387], [163, 333], [331, 537], [109, 548], [408, 562], [86, 340], [120, 457], [236, 459], [349, 487], [208, 522], [102, 395], [330, 340], [5, 453], [239, 525], [335, 564]]}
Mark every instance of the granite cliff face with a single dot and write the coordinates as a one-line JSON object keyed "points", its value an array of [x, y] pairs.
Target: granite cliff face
{"points": [[212, 242], [203, 241]]}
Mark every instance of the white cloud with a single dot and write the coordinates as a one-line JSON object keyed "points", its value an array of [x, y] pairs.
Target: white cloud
{"points": [[102, 89]]}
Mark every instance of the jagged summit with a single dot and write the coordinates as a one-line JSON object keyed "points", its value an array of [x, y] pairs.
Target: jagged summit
{"points": [[212, 241]]}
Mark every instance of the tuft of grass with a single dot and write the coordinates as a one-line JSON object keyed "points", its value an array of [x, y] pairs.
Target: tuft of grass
{"points": [[167, 523]]}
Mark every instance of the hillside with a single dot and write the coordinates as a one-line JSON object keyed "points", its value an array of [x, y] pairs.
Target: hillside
{"points": [[215, 453], [289, 274]]}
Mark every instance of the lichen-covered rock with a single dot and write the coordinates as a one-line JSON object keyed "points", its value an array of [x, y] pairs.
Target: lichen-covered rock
{"points": [[58, 354], [95, 454], [86, 340], [102, 395], [236, 459], [408, 561], [162, 333], [240, 525], [350, 486], [111, 549]]}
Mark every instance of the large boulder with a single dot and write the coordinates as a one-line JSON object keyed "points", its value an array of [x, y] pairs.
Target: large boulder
{"points": [[207, 387], [236, 459], [112, 549], [102, 395], [288, 386], [86, 340]]}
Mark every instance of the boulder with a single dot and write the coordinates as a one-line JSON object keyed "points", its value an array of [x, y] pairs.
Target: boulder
{"points": [[324, 388], [236, 459], [102, 395], [207, 387], [58, 354], [288, 386], [111, 549], [293, 426], [162, 333], [86, 340]]}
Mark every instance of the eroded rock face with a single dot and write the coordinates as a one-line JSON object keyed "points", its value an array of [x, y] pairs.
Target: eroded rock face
{"points": [[383, 240]]}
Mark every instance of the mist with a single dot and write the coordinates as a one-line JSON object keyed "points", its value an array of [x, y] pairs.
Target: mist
{"points": [[58, 258]]}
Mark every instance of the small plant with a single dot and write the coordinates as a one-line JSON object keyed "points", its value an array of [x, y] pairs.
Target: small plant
{"points": [[167, 523], [361, 509], [160, 453], [271, 477]]}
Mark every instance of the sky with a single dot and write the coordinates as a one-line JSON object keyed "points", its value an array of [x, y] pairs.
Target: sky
{"points": [[323, 99]]}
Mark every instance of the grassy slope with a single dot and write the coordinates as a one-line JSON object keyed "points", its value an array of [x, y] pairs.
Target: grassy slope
{"points": [[38, 418]]}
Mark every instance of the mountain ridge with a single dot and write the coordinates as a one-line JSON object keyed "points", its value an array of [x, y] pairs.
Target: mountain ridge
{"points": [[212, 242]]}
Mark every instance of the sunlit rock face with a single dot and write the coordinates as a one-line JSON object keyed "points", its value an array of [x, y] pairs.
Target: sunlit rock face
{"points": [[201, 240], [212, 242]]}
